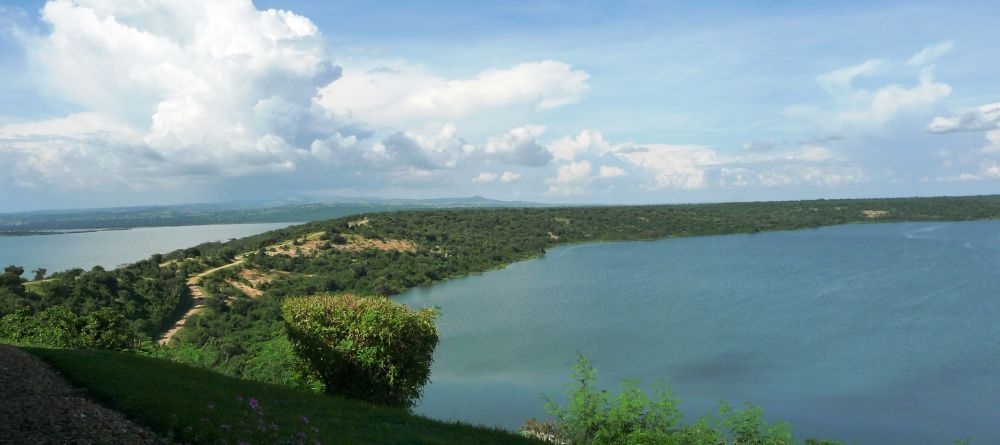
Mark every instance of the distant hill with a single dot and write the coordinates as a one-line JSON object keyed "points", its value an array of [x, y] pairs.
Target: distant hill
{"points": [[293, 209]]}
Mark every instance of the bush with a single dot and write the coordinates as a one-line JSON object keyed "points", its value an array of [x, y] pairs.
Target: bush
{"points": [[365, 348], [593, 417], [58, 326]]}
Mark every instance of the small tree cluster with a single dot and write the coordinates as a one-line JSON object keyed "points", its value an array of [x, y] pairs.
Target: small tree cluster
{"points": [[58, 326], [365, 348]]}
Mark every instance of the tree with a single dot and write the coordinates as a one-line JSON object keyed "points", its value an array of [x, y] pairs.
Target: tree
{"points": [[11, 281], [366, 348], [39, 273]]}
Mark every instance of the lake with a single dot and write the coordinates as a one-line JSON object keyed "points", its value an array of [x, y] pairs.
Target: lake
{"points": [[114, 247], [871, 334]]}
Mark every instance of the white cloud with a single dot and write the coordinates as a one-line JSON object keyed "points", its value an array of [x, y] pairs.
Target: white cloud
{"points": [[864, 109], [607, 171], [673, 166], [568, 148], [485, 177], [519, 147], [404, 95], [992, 142], [930, 53], [410, 149], [508, 177], [505, 177], [570, 179], [842, 78], [336, 148], [759, 145], [811, 153], [983, 117], [173, 89]]}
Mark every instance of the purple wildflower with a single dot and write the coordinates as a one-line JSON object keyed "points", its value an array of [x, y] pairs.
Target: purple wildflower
{"points": [[253, 404], [304, 419]]}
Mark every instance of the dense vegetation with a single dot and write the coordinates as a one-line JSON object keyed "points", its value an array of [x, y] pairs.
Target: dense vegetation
{"points": [[149, 295], [243, 333], [194, 405]]}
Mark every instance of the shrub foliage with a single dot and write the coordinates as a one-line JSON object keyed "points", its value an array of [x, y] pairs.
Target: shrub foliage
{"points": [[593, 416], [365, 348], [58, 326]]}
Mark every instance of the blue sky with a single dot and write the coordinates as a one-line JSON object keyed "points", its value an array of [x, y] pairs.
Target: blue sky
{"points": [[108, 103]]}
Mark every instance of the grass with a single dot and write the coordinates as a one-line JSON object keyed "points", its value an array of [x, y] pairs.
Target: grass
{"points": [[173, 399]]}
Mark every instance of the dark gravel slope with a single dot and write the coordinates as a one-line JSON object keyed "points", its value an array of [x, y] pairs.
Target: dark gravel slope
{"points": [[38, 407]]}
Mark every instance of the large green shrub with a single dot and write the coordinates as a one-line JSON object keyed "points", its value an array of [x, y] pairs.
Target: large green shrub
{"points": [[366, 348]]}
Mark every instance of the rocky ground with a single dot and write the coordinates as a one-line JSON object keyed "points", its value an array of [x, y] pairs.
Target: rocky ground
{"points": [[38, 407]]}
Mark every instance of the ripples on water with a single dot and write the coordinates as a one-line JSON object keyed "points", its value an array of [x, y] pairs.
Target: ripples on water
{"points": [[875, 334]]}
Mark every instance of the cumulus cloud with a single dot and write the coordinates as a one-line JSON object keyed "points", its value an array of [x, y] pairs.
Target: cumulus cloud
{"points": [[983, 117], [484, 177], [401, 95], [571, 179], [673, 166], [610, 171], [519, 146], [336, 148], [931, 53], [174, 89], [409, 149], [842, 78], [694, 167], [508, 177], [860, 109], [505, 177], [568, 147]]}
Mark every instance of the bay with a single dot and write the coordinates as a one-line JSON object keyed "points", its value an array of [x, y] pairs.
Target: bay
{"points": [[870, 334], [112, 248]]}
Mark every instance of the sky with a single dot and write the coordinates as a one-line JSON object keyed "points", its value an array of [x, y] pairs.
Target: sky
{"points": [[112, 103]]}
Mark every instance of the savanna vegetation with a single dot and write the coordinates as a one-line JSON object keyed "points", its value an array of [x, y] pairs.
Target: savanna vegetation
{"points": [[241, 331]]}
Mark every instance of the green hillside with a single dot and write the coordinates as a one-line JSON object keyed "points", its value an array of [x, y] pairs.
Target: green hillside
{"points": [[174, 400]]}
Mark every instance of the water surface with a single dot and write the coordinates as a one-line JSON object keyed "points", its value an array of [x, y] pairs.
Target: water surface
{"points": [[114, 247], [872, 334]]}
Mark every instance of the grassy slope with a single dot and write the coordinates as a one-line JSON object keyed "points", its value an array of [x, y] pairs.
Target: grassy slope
{"points": [[153, 391]]}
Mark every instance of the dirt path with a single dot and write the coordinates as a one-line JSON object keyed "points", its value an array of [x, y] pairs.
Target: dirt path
{"points": [[38, 407], [198, 297]]}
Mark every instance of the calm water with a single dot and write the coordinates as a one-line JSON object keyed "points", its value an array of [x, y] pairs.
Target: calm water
{"points": [[112, 248], [871, 334]]}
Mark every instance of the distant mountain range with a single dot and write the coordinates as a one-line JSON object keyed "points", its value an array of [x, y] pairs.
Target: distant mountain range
{"points": [[294, 209]]}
